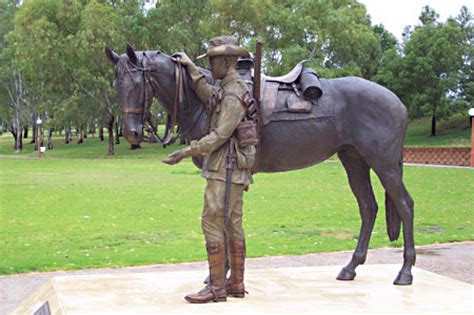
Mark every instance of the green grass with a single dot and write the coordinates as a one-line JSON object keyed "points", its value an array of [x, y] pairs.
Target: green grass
{"points": [[453, 132], [79, 208]]}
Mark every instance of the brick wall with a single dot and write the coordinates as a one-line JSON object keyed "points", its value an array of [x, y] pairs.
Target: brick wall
{"points": [[437, 155]]}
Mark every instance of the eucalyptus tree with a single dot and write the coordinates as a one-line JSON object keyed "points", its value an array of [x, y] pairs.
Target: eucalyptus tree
{"points": [[13, 106], [42, 32], [92, 74], [60, 46]]}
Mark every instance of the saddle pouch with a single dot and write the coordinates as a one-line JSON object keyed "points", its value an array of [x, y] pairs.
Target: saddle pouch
{"points": [[310, 85], [296, 104], [247, 133]]}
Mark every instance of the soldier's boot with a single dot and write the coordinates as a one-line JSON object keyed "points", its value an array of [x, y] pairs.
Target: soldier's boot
{"points": [[235, 285], [215, 291], [227, 266]]}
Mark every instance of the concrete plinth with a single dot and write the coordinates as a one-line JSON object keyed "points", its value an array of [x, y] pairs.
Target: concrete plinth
{"points": [[279, 290]]}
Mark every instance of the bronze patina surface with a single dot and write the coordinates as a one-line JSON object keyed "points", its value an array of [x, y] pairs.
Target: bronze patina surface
{"points": [[361, 121]]}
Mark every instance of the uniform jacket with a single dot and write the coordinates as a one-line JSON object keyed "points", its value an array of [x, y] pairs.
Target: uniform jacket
{"points": [[225, 117]]}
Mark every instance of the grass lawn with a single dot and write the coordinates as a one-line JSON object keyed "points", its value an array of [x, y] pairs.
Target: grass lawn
{"points": [[78, 208]]}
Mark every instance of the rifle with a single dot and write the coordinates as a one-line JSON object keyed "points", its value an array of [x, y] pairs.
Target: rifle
{"points": [[257, 73], [229, 165], [257, 80]]}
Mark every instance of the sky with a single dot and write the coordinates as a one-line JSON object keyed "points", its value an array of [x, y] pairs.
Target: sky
{"points": [[396, 14]]}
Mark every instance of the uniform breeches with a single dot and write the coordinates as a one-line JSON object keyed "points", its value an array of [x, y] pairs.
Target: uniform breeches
{"points": [[212, 219]]}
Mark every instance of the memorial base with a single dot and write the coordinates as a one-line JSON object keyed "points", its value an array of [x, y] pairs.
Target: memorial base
{"points": [[279, 290]]}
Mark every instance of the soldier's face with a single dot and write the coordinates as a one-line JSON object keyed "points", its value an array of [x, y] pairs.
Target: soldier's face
{"points": [[219, 67]]}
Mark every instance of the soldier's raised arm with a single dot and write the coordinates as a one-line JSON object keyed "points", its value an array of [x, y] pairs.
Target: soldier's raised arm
{"points": [[203, 89]]}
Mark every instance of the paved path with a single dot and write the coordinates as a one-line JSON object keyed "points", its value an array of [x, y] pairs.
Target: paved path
{"points": [[454, 260], [18, 157]]}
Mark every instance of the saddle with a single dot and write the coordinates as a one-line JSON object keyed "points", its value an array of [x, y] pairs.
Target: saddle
{"points": [[290, 96]]}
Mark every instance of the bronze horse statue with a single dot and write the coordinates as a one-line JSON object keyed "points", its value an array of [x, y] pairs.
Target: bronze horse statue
{"points": [[366, 130]]}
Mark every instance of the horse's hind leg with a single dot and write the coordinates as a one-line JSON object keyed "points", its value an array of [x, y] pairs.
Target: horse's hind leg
{"points": [[391, 178], [358, 173]]}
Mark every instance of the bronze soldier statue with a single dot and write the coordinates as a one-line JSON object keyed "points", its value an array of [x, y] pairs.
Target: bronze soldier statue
{"points": [[226, 161]]}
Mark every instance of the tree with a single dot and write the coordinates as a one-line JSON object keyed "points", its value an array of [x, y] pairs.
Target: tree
{"points": [[60, 47], [41, 30], [426, 75], [13, 91], [178, 26], [93, 72], [466, 73]]}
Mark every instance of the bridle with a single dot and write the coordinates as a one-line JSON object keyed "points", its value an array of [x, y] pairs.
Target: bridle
{"points": [[144, 110]]}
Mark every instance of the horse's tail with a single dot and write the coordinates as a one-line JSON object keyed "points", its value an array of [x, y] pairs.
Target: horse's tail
{"points": [[391, 215], [392, 218]]}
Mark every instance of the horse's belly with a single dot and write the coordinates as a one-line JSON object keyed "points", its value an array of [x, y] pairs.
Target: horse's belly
{"points": [[289, 145]]}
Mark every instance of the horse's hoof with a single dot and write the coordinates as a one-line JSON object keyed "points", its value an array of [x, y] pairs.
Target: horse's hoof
{"points": [[403, 279], [346, 275]]}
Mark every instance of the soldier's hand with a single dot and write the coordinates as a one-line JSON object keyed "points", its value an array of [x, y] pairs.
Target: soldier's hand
{"points": [[185, 60], [174, 158]]}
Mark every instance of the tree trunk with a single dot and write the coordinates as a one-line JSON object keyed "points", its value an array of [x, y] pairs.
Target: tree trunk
{"points": [[433, 126], [50, 138], [110, 128], [101, 133], [92, 130], [67, 135], [19, 142], [14, 133], [117, 140], [80, 133], [33, 137], [60, 132], [41, 137], [18, 134], [25, 133]]}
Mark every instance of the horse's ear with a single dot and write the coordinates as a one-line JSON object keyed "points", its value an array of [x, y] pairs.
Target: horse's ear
{"points": [[132, 56], [113, 57]]}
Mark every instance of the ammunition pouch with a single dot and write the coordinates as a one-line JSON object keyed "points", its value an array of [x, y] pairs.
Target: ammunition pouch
{"points": [[245, 156], [247, 133]]}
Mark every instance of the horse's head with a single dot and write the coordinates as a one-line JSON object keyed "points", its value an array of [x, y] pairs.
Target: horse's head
{"points": [[141, 76], [134, 91]]}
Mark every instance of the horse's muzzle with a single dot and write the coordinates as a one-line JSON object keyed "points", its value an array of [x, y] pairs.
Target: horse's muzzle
{"points": [[133, 136]]}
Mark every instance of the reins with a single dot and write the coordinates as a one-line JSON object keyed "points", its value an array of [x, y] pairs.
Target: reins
{"points": [[177, 100]]}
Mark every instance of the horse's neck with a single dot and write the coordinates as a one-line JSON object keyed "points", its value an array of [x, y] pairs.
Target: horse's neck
{"points": [[189, 108]]}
